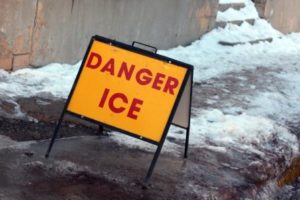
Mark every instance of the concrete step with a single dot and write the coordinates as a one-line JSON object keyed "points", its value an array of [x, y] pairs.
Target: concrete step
{"points": [[225, 43], [222, 24], [236, 6]]}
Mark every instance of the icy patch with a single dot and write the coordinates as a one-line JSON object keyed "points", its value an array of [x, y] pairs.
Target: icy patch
{"points": [[215, 148], [169, 147], [8, 143], [70, 169], [132, 142], [269, 104], [61, 167], [284, 102], [216, 131], [22, 145]]}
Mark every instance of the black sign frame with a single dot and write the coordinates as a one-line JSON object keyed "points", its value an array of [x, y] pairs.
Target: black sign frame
{"points": [[141, 51]]}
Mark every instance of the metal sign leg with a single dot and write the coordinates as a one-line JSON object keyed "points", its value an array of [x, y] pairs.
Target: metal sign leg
{"points": [[55, 134], [100, 130], [152, 165], [187, 142], [190, 113]]}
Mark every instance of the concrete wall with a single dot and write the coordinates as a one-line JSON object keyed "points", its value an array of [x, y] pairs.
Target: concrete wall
{"points": [[260, 7], [284, 15], [37, 32], [16, 27]]}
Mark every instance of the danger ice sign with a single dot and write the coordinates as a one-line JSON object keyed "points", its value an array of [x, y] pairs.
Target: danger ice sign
{"points": [[131, 90], [127, 90]]}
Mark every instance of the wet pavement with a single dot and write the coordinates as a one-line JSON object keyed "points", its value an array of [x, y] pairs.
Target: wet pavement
{"points": [[84, 165], [96, 167]]}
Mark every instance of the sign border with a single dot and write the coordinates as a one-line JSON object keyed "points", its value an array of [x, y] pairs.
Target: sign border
{"points": [[141, 52]]}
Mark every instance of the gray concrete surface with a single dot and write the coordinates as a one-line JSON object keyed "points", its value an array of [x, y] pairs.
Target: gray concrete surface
{"points": [[89, 168], [283, 15], [59, 31], [16, 28]]}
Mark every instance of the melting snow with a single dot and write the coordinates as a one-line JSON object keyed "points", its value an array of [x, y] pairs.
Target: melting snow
{"points": [[6, 142], [211, 128]]}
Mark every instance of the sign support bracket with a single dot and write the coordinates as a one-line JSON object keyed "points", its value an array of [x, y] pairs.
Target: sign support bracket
{"points": [[146, 47], [160, 145]]}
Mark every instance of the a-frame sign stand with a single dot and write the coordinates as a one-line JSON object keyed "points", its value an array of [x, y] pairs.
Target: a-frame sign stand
{"points": [[185, 104], [164, 90]]}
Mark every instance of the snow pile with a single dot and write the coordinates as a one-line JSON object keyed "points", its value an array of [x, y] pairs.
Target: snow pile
{"points": [[211, 59], [248, 12], [247, 32], [245, 132], [54, 79]]}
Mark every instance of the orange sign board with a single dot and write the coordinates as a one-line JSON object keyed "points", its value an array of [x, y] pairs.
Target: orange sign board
{"points": [[122, 88]]}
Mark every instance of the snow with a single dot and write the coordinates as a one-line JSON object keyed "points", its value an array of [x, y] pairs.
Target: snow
{"points": [[251, 128], [231, 1], [211, 59], [62, 167], [8, 143], [55, 79], [248, 132], [284, 102], [248, 12]]}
